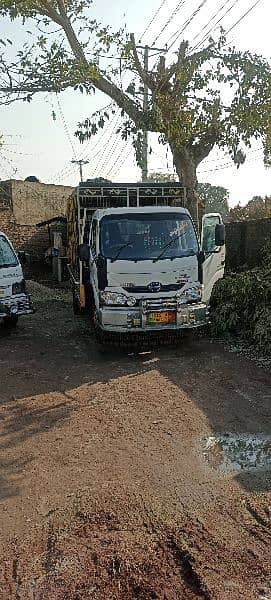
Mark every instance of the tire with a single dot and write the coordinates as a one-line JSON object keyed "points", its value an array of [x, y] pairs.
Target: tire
{"points": [[10, 322], [89, 308]]}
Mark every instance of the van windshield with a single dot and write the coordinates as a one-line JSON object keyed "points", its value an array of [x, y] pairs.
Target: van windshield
{"points": [[147, 236], [7, 255]]}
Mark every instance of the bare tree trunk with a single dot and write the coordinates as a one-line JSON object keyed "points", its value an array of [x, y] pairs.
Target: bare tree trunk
{"points": [[186, 170]]}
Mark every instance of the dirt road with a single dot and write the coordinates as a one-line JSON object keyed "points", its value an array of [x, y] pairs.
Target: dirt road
{"points": [[112, 484]]}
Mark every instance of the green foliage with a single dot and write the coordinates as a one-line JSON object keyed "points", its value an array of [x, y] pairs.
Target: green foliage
{"points": [[217, 96], [241, 306], [256, 208], [161, 177], [215, 198]]}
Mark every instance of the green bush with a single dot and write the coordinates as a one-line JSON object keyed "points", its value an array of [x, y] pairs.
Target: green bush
{"points": [[241, 306]]}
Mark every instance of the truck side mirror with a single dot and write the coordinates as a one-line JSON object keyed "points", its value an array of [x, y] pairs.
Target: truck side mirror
{"points": [[220, 234], [84, 252]]}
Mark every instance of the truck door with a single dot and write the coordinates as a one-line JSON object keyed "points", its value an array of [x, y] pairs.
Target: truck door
{"points": [[214, 264]]}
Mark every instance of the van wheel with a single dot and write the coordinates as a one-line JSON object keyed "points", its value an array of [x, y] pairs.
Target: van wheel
{"points": [[10, 322]]}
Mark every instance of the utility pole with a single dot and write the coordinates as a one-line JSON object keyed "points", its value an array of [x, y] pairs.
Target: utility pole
{"points": [[144, 170], [80, 162]]}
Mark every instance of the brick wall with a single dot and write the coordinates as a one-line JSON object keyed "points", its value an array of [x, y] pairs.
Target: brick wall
{"points": [[245, 241], [24, 237]]}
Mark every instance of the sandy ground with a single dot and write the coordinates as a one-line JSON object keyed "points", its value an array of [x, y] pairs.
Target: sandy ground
{"points": [[105, 491]]}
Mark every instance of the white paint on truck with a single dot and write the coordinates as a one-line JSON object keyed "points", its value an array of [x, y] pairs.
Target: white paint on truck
{"points": [[14, 300], [142, 268]]}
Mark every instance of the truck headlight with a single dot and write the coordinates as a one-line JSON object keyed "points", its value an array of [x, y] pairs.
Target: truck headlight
{"points": [[191, 294], [18, 287], [131, 301], [113, 298]]}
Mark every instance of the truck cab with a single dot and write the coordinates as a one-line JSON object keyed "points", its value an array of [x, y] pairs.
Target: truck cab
{"points": [[14, 300], [143, 268]]}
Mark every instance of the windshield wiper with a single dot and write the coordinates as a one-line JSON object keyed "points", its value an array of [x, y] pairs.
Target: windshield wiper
{"points": [[188, 252], [120, 250]]}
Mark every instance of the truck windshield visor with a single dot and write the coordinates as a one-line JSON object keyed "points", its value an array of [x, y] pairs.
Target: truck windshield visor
{"points": [[145, 236], [7, 255]]}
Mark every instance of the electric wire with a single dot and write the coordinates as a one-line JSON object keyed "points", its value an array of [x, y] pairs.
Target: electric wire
{"points": [[105, 137], [210, 21], [66, 127], [244, 15], [153, 19], [179, 32], [206, 35], [173, 14]]}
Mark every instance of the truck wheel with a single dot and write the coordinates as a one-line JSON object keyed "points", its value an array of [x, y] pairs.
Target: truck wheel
{"points": [[10, 322]]}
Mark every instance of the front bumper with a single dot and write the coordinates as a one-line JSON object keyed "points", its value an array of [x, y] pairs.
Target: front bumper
{"points": [[16, 306], [125, 319]]}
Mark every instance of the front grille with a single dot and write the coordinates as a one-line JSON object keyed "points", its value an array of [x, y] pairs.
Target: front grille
{"points": [[144, 289], [160, 304], [22, 303]]}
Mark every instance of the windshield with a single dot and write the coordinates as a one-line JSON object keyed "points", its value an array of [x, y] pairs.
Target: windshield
{"points": [[7, 255], [145, 236]]}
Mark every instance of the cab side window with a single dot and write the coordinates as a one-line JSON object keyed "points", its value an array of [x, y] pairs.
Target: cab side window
{"points": [[208, 238]]}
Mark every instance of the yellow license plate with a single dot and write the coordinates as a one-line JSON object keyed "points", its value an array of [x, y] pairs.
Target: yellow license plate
{"points": [[2, 293], [164, 318]]}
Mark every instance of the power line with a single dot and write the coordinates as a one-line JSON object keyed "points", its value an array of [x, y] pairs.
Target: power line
{"points": [[115, 166], [111, 147], [210, 21], [173, 14], [68, 169], [229, 165], [66, 127], [244, 15], [107, 147], [104, 141], [114, 148], [205, 37], [153, 18], [179, 32]]}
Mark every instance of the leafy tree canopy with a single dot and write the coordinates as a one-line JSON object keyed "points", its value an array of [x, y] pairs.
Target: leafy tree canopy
{"points": [[161, 177], [215, 198], [214, 96], [257, 208]]}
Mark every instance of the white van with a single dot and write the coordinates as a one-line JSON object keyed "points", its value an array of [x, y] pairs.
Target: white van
{"points": [[14, 300]]}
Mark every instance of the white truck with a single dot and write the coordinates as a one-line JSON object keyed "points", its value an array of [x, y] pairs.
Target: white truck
{"points": [[14, 300], [135, 261]]}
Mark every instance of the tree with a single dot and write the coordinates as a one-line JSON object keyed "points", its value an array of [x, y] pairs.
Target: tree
{"points": [[215, 198], [189, 104], [161, 177], [256, 208]]}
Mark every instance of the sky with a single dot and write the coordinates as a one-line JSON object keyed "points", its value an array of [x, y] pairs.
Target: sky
{"points": [[37, 144]]}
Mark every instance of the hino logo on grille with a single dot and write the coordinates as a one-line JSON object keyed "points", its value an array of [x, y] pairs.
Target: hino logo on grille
{"points": [[154, 286]]}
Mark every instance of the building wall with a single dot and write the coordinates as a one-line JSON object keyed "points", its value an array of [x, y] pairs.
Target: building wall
{"points": [[35, 202], [23, 205]]}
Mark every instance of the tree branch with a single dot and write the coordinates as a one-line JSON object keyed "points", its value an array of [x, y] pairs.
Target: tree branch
{"points": [[140, 70], [50, 12]]}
